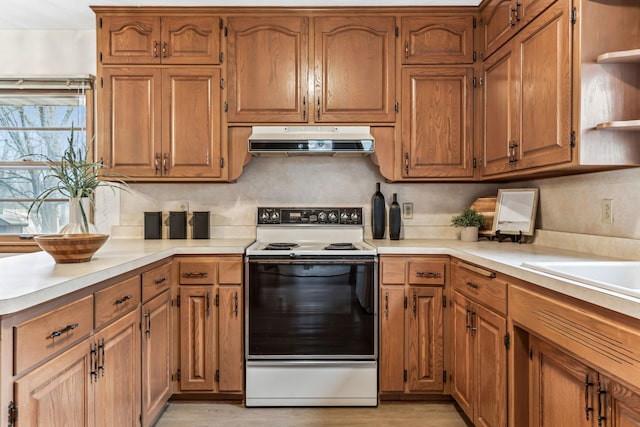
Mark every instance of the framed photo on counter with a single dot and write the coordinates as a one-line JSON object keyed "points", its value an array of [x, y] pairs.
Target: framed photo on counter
{"points": [[516, 211]]}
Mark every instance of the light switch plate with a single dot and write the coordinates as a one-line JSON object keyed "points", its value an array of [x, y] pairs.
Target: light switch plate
{"points": [[407, 210]]}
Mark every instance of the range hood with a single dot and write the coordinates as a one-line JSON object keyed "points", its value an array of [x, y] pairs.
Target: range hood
{"points": [[311, 140]]}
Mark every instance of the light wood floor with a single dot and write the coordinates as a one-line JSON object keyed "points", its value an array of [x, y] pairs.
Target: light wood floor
{"points": [[390, 414]]}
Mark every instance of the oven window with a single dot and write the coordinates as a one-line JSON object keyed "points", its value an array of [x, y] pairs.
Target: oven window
{"points": [[311, 309]]}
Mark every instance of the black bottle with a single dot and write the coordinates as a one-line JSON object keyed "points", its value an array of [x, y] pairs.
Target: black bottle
{"points": [[394, 219], [378, 214]]}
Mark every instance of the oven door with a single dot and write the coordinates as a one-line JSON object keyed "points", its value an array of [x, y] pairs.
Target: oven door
{"points": [[320, 308]]}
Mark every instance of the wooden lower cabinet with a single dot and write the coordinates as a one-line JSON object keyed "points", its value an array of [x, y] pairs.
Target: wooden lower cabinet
{"points": [[156, 356], [412, 357], [95, 383], [566, 392], [211, 325], [197, 340], [479, 378]]}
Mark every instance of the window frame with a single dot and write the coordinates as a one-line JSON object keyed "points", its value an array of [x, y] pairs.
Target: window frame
{"points": [[17, 243]]}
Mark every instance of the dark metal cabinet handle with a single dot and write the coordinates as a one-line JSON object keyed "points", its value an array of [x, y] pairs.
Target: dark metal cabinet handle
{"points": [[56, 334], [415, 305], [601, 404], [429, 274], [155, 48], [318, 108], [474, 326], [165, 49], [101, 356], [587, 408], [160, 281], [304, 108], [93, 353], [467, 325], [147, 320], [165, 163], [406, 49], [472, 285], [208, 305], [386, 305], [156, 163], [123, 299], [235, 304], [406, 164], [191, 275]]}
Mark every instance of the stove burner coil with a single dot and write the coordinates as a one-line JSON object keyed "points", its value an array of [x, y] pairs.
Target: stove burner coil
{"points": [[280, 246], [340, 247]]}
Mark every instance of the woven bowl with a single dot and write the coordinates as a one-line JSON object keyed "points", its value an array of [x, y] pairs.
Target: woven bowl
{"points": [[71, 248]]}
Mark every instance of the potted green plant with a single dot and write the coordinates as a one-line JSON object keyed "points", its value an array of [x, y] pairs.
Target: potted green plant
{"points": [[470, 222], [77, 178]]}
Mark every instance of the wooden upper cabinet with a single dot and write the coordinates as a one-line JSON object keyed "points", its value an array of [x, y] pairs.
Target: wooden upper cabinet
{"points": [[527, 98], [129, 120], [268, 69], [354, 69], [148, 39], [191, 134], [502, 19], [437, 122], [437, 39], [161, 123]]}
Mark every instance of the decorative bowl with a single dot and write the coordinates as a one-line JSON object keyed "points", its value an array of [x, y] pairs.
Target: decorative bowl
{"points": [[71, 248]]}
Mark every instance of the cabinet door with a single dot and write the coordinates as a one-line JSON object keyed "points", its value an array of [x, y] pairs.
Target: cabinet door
{"points": [[437, 124], [562, 389], [268, 69], [230, 339], [156, 356], [129, 126], [392, 338], [354, 69], [502, 19], [191, 40], [191, 131], [437, 39], [197, 338], [117, 391], [490, 377], [545, 89], [129, 39], [57, 391], [622, 404], [462, 387], [425, 342], [500, 108]]}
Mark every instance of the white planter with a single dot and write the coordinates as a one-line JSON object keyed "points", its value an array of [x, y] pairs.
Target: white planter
{"points": [[79, 209], [469, 234]]}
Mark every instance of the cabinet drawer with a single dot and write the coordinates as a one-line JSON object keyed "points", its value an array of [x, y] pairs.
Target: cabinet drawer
{"points": [[155, 281], [117, 300], [39, 338], [197, 272], [481, 286], [427, 272], [392, 271]]}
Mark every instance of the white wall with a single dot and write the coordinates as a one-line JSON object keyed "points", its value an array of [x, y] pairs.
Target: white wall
{"points": [[570, 204]]}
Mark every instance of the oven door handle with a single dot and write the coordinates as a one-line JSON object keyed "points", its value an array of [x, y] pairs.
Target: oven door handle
{"points": [[322, 260]]}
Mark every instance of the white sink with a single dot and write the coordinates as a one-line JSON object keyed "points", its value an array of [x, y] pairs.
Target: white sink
{"points": [[619, 276]]}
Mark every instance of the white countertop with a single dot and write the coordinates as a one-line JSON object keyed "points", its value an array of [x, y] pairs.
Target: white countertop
{"points": [[30, 279], [507, 258]]}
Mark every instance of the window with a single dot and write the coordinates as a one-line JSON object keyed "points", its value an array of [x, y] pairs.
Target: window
{"points": [[36, 119]]}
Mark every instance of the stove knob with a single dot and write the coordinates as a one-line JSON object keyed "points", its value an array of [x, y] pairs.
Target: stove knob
{"points": [[344, 216], [322, 216], [354, 216], [275, 216], [264, 216], [333, 217]]}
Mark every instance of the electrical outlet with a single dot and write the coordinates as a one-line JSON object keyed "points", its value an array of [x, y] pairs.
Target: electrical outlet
{"points": [[182, 206], [407, 210], [607, 211]]}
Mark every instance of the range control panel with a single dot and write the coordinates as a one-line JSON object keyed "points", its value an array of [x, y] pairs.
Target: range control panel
{"points": [[319, 216]]}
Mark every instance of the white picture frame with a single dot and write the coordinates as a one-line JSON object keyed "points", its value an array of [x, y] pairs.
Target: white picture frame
{"points": [[516, 211]]}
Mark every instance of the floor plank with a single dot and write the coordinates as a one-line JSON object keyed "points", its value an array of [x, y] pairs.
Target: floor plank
{"points": [[392, 414]]}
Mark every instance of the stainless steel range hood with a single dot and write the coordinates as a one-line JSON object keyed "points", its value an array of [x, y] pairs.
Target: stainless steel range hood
{"points": [[311, 140]]}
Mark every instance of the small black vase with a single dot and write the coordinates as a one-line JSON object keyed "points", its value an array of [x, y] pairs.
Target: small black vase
{"points": [[378, 214], [394, 219]]}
